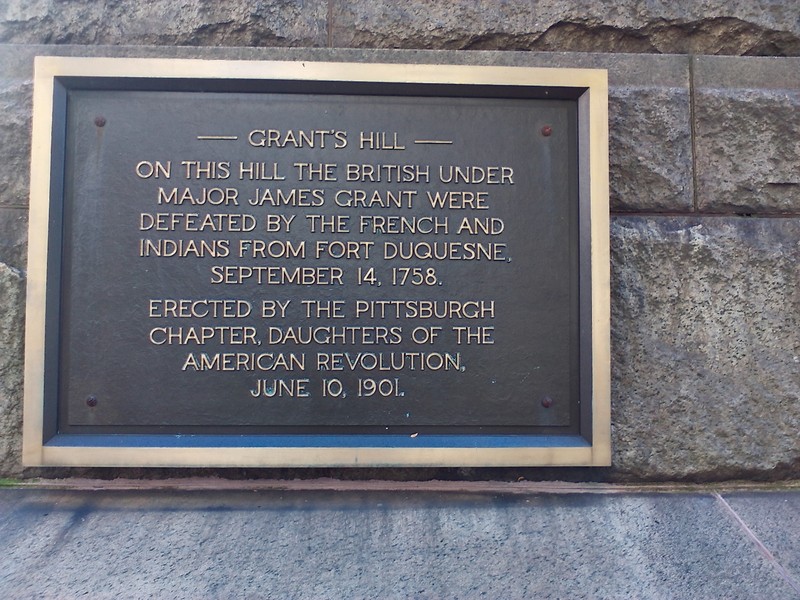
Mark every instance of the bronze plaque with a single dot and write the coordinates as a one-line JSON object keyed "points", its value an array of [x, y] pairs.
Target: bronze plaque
{"points": [[273, 264]]}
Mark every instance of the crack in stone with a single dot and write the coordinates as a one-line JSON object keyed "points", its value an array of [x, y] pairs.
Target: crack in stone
{"points": [[790, 580]]}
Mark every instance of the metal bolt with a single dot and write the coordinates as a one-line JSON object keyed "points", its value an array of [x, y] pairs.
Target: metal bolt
{"points": [[91, 401], [100, 121], [547, 402], [547, 131]]}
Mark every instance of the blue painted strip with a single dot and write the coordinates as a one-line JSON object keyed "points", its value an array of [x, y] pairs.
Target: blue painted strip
{"points": [[317, 441]]}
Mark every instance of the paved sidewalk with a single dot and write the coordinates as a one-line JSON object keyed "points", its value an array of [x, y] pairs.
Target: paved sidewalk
{"points": [[391, 540]]}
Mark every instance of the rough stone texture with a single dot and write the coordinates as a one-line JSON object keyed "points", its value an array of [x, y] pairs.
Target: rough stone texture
{"points": [[747, 119], [650, 149], [15, 145], [704, 27], [162, 22], [706, 347], [13, 249], [12, 327], [13, 237]]}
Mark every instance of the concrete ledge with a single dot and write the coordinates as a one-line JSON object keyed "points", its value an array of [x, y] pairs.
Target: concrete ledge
{"points": [[397, 544], [381, 485]]}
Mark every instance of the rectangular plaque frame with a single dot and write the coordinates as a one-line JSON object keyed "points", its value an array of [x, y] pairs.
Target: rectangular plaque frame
{"points": [[44, 444]]}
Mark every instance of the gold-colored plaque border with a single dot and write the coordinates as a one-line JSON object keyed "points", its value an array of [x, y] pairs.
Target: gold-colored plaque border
{"points": [[593, 169]]}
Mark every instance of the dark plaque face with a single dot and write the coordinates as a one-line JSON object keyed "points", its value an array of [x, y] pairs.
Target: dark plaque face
{"points": [[334, 259], [279, 260]]}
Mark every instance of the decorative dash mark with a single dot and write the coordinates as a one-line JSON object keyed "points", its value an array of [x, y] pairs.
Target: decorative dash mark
{"points": [[218, 137]]}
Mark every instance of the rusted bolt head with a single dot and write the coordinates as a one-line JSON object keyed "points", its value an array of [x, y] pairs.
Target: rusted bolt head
{"points": [[547, 131], [100, 121], [547, 402], [91, 401]]}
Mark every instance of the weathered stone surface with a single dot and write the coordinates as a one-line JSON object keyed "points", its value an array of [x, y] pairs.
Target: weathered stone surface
{"points": [[12, 327], [162, 22], [650, 149], [393, 545], [13, 236], [15, 141], [747, 125], [13, 247], [705, 27], [706, 347]]}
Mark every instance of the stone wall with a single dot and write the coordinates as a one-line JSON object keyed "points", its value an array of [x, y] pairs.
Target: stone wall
{"points": [[738, 27], [705, 193]]}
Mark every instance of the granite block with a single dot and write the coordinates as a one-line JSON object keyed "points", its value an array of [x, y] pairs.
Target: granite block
{"points": [[747, 127], [165, 23], [703, 27], [705, 347]]}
